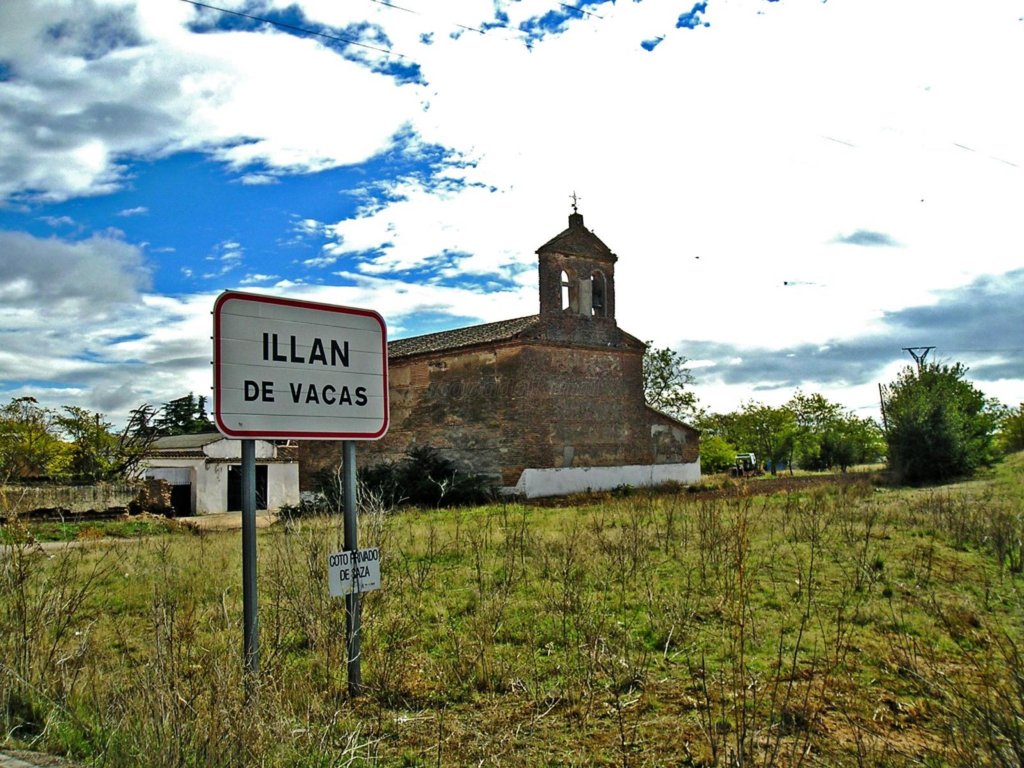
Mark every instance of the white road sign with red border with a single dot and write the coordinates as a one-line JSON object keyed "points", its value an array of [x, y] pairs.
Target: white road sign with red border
{"points": [[290, 369]]}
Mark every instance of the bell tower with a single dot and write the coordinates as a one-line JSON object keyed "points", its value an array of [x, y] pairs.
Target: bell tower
{"points": [[577, 275], [577, 285]]}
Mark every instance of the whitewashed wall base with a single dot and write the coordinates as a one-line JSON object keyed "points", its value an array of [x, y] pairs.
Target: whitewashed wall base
{"points": [[536, 483]]}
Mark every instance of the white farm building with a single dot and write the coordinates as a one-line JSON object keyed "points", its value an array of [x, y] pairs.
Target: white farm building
{"points": [[204, 472]]}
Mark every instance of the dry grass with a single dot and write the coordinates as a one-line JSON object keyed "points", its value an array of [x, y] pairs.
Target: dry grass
{"points": [[815, 624]]}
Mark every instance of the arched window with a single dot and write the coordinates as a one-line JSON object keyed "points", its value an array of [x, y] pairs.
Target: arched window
{"points": [[564, 280], [598, 298]]}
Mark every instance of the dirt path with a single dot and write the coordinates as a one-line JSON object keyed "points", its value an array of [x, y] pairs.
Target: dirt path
{"points": [[225, 521], [16, 758]]}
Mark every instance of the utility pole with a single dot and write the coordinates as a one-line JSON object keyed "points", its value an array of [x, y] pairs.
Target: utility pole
{"points": [[881, 401], [920, 354]]}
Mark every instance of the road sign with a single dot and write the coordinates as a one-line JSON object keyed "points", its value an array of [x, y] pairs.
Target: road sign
{"points": [[285, 368], [353, 572]]}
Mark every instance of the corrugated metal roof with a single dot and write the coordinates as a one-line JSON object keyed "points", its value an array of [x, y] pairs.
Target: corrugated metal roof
{"points": [[461, 337]]}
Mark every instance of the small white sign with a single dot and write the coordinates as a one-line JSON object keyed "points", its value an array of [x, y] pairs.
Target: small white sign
{"points": [[284, 368], [349, 572]]}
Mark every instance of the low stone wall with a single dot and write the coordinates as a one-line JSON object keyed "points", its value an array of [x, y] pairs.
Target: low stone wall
{"points": [[25, 499]]}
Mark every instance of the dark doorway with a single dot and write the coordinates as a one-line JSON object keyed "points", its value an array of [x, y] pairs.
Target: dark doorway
{"points": [[235, 488], [181, 500]]}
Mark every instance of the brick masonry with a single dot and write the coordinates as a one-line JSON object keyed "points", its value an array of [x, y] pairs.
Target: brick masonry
{"points": [[565, 390]]}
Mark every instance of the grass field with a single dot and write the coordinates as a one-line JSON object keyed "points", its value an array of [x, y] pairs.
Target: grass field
{"points": [[766, 623], [148, 525]]}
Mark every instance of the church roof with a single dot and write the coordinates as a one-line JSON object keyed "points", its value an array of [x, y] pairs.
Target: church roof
{"points": [[461, 337], [577, 240]]}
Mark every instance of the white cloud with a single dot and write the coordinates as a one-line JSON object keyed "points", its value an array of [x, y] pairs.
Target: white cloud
{"points": [[58, 221], [320, 261], [756, 144], [309, 227], [252, 279], [140, 210], [76, 315], [52, 277], [259, 179], [122, 78], [720, 144]]}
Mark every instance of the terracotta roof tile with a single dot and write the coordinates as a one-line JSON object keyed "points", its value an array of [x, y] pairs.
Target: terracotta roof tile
{"points": [[186, 442], [460, 337]]}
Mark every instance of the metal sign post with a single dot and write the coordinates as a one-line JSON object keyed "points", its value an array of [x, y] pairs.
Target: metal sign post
{"points": [[250, 642], [352, 617], [301, 370]]}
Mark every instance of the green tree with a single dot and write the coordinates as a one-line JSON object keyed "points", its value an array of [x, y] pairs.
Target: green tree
{"points": [[940, 426], [769, 432], [29, 441], [722, 424], [815, 417], [850, 440], [827, 436], [98, 453], [716, 454], [184, 416], [1011, 429], [666, 379]]}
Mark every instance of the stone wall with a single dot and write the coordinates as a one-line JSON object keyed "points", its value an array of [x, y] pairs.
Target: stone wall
{"points": [[500, 409], [23, 499], [589, 411], [467, 404]]}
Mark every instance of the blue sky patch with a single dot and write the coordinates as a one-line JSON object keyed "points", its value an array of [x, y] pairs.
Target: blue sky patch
{"points": [[557, 21], [402, 69], [239, 232], [650, 45], [552, 22], [692, 19]]}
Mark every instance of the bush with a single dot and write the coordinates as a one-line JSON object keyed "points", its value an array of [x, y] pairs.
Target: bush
{"points": [[425, 478], [939, 425]]}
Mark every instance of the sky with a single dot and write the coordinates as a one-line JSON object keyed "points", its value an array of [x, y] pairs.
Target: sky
{"points": [[795, 190]]}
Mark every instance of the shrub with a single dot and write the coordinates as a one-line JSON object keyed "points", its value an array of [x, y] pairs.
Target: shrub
{"points": [[425, 478]]}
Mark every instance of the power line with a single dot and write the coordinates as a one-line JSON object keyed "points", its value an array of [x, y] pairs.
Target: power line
{"points": [[581, 11], [1007, 349], [396, 7], [282, 25], [512, 38], [386, 4]]}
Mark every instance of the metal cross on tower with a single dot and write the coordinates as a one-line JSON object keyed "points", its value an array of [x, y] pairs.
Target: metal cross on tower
{"points": [[574, 201]]}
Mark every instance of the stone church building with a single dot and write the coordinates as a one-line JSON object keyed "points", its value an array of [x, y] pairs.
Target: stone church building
{"points": [[547, 404]]}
